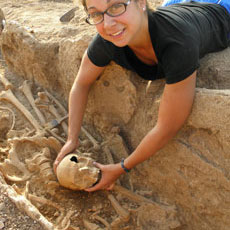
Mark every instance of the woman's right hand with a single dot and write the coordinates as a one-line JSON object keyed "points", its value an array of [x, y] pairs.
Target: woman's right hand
{"points": [[69, 147]]}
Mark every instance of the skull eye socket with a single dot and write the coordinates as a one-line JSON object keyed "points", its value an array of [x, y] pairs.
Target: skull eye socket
{"points": [[74, 159]]}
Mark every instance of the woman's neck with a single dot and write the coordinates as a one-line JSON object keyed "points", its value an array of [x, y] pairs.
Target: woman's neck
{"points": [[143, 47], [143, 40]]}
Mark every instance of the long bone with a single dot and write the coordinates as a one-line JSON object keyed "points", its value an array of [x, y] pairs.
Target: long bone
{"points": [[45, 99], [60, 106], [102, 220], [54, 111], [9, 96], [63, 221], [44, 96], [91, 226], [96, 146], [26, 89], [24, 205], [5, 82], [132, 196], [123, 213]]}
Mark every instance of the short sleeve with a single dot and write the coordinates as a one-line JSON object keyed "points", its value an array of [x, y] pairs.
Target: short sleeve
{"points": [[98, 52], [180, 60]]}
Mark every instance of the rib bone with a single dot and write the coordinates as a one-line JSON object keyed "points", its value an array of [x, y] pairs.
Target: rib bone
{"points": [[25, 88], [9, 96]]}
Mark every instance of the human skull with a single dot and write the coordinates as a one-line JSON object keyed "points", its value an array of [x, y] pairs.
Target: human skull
{"points": [[77, 172]]}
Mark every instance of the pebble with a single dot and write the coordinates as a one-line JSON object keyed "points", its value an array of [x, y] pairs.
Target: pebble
{"points": [[2, 206], [1, 225]]}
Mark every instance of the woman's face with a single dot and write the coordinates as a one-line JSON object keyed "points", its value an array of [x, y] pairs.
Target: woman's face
{"points": [[121, 30]]}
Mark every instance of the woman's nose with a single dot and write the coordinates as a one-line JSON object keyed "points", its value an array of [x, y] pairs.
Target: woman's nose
{"points": [[108, 21]]}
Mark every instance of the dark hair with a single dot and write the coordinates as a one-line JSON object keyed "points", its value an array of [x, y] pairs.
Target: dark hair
{"points": [[83, 2]]}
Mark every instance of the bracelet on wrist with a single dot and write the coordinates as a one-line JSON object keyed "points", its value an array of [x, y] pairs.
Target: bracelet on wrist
{"points": [[123, 166]]}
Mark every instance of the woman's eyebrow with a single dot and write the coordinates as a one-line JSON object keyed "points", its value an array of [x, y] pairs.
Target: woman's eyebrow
{"points": [[93, 7]]}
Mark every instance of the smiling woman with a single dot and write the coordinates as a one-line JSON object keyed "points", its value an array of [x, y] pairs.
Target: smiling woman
{"points": [[166, 43]]}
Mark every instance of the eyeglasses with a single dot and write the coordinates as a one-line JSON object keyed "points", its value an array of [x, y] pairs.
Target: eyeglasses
{"points": [[115, 10]]}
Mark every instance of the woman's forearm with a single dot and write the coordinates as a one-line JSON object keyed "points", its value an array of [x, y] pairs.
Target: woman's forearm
{"points": [[156, 139], [77, 104]]}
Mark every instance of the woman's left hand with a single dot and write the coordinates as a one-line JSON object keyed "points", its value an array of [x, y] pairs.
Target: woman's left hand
{"points": [[110, 174]]}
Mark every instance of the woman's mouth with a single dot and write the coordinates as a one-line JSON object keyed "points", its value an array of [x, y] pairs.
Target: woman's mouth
{"points": [[118, 33]]}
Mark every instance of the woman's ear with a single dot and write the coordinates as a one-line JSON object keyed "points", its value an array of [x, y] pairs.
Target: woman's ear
{"points": [[142, 4]]}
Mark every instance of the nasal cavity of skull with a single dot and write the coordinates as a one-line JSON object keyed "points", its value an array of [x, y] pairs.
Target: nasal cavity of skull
{"points": [[74, 159]]}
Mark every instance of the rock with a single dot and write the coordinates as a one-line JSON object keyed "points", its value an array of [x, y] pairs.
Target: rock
{"points": [[2, 20], [1, 225], [69, 15], [214, 71]]}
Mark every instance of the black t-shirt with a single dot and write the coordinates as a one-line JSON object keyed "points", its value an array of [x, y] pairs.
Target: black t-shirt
{"points": [[181, 34]]}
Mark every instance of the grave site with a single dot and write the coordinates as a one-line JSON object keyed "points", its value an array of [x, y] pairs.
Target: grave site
{"points": [[185, 186]]}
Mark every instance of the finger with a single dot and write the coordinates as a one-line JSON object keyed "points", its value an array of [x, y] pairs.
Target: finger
{"points": [[57, 161], [95, 188], [98, 165], [55, 166]]}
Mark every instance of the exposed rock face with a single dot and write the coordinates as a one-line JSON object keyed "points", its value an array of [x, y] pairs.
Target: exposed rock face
{"points": [[192, 171]]}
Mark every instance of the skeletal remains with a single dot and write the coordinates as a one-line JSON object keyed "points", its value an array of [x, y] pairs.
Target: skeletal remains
{"points": [[77, 172], [35, 168], [6, 83]]}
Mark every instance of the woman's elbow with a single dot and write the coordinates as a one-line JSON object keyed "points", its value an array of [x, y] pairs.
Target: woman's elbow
{"points": [[169, 130]]}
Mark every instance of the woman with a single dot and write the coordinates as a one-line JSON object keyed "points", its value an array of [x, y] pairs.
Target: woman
{"points": [[166, 44]]}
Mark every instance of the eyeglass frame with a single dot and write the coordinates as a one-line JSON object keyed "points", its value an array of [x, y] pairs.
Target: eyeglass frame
{"points": [[105, 12]]}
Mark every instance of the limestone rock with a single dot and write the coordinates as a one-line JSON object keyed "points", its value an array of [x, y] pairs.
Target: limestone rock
{"points": [[214, 71]]}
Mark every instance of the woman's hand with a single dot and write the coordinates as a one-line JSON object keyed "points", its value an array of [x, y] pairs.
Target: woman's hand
{"points": [[110, 174], [67, 148]]}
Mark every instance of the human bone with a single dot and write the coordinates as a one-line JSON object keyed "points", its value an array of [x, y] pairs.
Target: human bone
{"points": [[47, 99], [23, 204], [123, 213], [9, 96], [7, 120], [26, 89], [5, 82], [77, 172]]}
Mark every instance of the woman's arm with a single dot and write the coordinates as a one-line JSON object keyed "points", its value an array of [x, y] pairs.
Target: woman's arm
{"points": [[87, 75], [175, 107]]}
